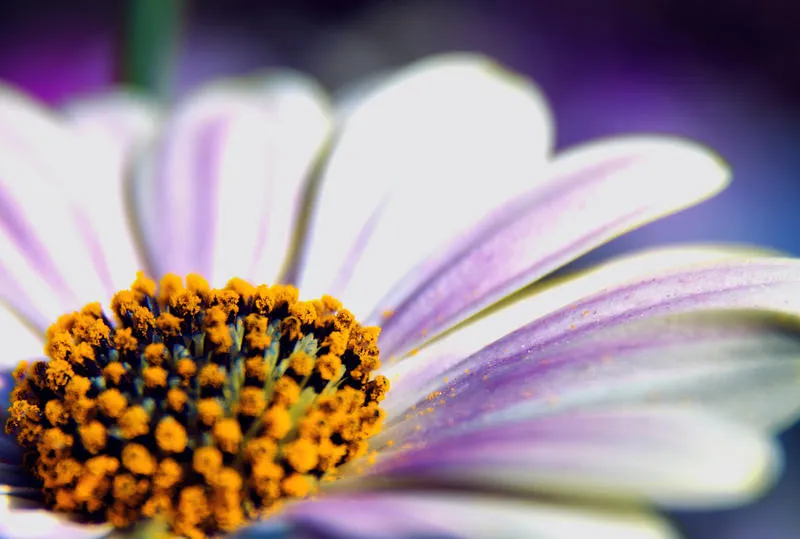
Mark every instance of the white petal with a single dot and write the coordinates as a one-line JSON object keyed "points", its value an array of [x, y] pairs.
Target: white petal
{"points": [[50, 259], [18, 520], [222, 192], [407, 515], [423, 156], [20, 341], [119, 125], [674, 456], [124, 122]]}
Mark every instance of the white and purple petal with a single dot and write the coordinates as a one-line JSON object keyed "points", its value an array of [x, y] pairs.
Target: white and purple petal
{"points": [[671, 455], [418, 159], [590, 195], [550, 295], [120, 126], [746, 367], [593, 335], [453, 515], [53, 260], [220, 193]]}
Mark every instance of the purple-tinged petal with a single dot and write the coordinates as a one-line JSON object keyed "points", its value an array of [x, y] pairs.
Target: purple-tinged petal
{"points": [[120, 125], [544, 298], [432, 515], [769, 284], [409, 373], [675, 456], [422, 155], [592, 194], [745, 366], [221, 192], [50, 260]]}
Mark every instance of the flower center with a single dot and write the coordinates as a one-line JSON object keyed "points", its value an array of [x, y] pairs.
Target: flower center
{"points": [[201, 407]]}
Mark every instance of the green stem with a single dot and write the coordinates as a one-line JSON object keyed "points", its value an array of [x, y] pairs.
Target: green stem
{"points": [[150, 47]]}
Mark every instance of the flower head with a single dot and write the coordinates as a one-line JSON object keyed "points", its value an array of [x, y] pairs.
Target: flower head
{"points": [[205, 407], [451, 388]]}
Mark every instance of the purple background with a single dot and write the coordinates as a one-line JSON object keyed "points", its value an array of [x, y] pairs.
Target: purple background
{"points": [[724, 72]]}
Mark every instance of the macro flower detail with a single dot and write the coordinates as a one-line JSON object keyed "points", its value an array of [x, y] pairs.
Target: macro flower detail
{"points": [[204, 407], [453, 388]]}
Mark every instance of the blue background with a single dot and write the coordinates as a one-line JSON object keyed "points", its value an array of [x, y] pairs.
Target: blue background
{"points": [[724, 73]]}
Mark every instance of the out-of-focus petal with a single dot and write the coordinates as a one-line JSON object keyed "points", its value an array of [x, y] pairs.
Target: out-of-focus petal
{"points": [[592, 194], [125, 121], [675, 456], [764, 283], [422, 156], [276, 527], [20, 519], [119, 125], [52, 261], [20, 341], [414, 515], [222, 191]]}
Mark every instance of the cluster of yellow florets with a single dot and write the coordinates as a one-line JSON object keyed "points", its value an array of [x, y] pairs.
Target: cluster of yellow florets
{"points": [[203, 407]]}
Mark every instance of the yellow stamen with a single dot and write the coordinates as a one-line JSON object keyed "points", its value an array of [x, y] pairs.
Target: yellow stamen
{"points": [[171, 436], [134, 422], [202, 407], [93, 436]]}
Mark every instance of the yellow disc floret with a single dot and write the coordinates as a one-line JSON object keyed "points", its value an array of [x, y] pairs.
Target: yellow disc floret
{"points": [[204, 408]]}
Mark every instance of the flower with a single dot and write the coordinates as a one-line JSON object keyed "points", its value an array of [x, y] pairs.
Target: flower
{"points": [[518, 405]]}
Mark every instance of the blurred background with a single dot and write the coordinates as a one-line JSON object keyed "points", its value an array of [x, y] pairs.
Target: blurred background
{"points": [[723, 72]]}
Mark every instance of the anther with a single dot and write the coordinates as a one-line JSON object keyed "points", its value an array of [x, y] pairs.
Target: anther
{"points": [[203, 407]]}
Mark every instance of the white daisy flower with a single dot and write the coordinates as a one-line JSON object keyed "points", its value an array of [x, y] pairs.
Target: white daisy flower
{"points": [[493, 403]]}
